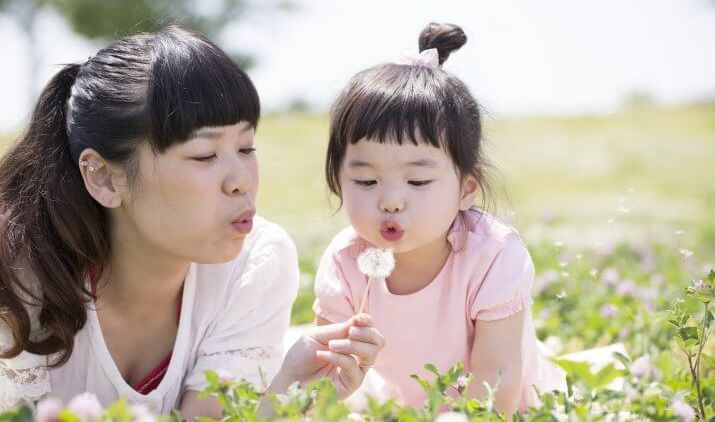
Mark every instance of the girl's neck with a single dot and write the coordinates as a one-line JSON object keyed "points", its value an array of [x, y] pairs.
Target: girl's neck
{"points": [[416, 269], [141, 276]]}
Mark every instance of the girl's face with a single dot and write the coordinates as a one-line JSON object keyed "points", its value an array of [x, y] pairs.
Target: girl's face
{"points": [[196, 200], [402, 197]]}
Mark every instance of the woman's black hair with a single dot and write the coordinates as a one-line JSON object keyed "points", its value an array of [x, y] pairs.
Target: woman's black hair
{"points": [[155, 88]]}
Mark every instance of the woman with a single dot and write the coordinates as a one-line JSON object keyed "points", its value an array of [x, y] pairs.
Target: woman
{"points": [[131, 258]]}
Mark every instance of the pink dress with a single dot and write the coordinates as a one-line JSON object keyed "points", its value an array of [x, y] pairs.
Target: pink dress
{"points": [[488, 276]]}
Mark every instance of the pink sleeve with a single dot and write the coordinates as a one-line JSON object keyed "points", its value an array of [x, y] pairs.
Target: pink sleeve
{"points": [[333, 300], [505, 289]]}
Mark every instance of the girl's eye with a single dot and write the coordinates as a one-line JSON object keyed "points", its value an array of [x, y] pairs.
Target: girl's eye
{"points": [[419, 182], [247, 151], [205, 159], [365, 183]]}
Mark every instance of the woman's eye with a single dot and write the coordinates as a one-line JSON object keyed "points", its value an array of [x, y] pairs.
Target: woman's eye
{"points": [[419, 182], [365, 183], [205, 159], [247, 151]]}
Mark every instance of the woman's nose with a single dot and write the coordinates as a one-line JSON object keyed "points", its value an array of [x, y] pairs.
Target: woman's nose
{"points": [[239, 180]]}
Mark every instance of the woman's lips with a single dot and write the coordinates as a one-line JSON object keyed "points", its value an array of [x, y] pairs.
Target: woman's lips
{"points": [[243, 226], [244, 222]]}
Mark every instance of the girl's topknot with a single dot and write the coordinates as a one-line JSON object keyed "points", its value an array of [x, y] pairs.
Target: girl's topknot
{"points": [[445, 37]]}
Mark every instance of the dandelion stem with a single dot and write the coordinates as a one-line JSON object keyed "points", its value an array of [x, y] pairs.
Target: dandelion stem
{"points": [[364, 296]]}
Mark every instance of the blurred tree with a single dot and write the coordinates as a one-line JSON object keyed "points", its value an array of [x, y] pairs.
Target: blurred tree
{"points": [[110, 19]]}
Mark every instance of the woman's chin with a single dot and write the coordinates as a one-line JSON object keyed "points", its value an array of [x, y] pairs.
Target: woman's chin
{"points": [[225, 254]]}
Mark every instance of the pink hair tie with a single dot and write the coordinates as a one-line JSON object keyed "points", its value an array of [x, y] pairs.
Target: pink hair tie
{"points": [[427, 58]]}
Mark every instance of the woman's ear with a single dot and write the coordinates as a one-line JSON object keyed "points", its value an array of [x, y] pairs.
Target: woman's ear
{"points": [[468, 192], [100, 178]]}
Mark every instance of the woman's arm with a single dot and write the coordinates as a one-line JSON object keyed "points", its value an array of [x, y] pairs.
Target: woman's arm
{"points": [[192, 406], [497, 357]]}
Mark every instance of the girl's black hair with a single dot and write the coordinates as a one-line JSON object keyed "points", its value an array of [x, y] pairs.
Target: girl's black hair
{"points": [[155, 88], [403, 102]]}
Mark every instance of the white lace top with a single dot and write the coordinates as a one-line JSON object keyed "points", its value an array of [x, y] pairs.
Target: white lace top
{"points": [[233, 317]]}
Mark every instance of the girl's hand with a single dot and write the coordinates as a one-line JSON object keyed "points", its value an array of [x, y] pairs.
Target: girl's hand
{"points": [[343, 352]]}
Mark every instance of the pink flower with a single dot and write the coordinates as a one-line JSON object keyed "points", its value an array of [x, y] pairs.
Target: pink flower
{"points": [[683, 411], [642, 368], [626, 288], [48, 410], [608, 310], [86, 406], [610, 276], [545, 280]]}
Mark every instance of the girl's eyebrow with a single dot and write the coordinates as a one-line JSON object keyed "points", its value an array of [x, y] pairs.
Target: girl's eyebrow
{"points": [[359, 163], [425, 162]]}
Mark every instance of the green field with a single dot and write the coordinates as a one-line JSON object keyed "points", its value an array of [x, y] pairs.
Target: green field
{"points": [[617, 213]]}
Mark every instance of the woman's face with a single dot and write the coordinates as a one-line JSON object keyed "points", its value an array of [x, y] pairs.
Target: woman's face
{"points": [[196, 200]]}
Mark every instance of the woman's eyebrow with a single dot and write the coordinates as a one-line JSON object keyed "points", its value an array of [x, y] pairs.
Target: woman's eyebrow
{"points": [[206, 133]]}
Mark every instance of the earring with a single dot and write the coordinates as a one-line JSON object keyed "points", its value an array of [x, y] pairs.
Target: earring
{"points": [[85, 163]]}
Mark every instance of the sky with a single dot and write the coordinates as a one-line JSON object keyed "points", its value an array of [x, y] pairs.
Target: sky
{"points": [[521, 58]]}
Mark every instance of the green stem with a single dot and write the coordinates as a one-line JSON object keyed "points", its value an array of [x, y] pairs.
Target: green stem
{"points": [[703, 339]]}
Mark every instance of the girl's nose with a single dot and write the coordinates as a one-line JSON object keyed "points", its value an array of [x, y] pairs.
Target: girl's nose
{"points": [[392, 205]]}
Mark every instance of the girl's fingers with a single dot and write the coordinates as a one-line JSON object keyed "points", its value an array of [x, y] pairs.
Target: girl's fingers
{"points": [[361, 320], [349, 366], [365, 352], [325, 333], [367, 335]]}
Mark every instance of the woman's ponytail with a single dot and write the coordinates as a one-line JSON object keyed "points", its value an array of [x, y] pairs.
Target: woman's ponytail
{"points": [[51, 230]]}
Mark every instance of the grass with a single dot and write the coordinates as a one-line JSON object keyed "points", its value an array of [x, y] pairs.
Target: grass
{"points": [[585, 181]]}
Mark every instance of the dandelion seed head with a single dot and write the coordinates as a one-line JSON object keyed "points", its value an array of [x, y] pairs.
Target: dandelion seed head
{"points": [[376, 262]]}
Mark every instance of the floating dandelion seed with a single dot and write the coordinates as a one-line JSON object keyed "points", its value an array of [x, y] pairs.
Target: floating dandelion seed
{"points": [[375, 263], [686, 253]]}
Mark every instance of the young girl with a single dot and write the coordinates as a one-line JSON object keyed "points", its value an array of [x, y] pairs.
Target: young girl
{"points": [[131, 259], [405, 159]]}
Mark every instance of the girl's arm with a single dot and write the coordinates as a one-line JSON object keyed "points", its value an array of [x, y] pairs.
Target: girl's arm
{"points": [[497, 355]]}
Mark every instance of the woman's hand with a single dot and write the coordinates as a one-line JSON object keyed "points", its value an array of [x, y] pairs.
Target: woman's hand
{"points": [[343, 352]]}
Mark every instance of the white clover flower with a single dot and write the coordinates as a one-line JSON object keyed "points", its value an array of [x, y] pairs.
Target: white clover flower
{"points": [[682, 410], [452, 417], [463, 381], [225, 376], [86, 406], [376, 262], [142, 413], [355, 417], [48, 410]]}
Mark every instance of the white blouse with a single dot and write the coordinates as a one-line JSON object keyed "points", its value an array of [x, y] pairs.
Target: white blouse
{"points": [[233, 317]]}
